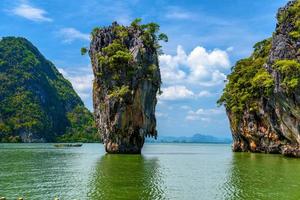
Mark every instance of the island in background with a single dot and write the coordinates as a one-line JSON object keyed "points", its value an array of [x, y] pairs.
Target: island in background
{"points": [[197, 138]]}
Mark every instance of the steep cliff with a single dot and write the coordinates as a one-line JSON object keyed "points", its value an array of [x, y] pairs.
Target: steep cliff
{"points": [[36, 103], [262, 96], [127, 79]]}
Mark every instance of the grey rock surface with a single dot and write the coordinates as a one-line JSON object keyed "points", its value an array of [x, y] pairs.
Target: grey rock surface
{"points": [[125, 122]]}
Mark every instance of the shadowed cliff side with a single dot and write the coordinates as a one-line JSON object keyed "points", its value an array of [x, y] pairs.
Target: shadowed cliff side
{"points": [[127, 80], [262, 94]]}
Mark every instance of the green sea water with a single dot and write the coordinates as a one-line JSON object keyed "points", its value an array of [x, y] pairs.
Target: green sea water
{"points": [[163, 171]]}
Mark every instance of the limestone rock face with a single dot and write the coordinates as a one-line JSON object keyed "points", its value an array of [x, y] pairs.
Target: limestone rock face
{"points": [[125, 87], [275, 126]]}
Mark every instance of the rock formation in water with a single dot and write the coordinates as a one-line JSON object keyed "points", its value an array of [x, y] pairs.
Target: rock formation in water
{"points": [[127, 80], [262, 96], [36, 103]]}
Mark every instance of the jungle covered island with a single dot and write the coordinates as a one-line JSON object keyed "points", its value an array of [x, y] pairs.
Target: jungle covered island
{"points": [[262, 95], [37, 104], [127, 81]]}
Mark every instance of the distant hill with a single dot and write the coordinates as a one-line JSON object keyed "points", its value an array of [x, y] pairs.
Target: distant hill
{"points": [[197, 138], [37, 104]]}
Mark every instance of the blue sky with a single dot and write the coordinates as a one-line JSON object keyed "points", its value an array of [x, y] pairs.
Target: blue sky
{"points": [[206, 37]]}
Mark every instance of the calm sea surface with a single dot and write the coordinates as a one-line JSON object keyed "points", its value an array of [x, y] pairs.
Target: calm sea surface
{"points": [[163, 171]]}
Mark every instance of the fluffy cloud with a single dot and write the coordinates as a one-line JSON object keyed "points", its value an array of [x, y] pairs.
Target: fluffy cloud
{"points": [[31, 13], [200, 67], [170, 71], [81, 79], [71, 34], [179, 92], [176, 92], [203, 114]]}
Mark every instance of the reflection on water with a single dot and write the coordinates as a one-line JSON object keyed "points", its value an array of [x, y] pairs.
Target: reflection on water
{"points": [[261, 176], [127, 177], [40, 171], [163, 171]]}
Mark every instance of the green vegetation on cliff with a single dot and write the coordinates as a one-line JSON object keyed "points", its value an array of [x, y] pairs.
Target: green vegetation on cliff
{"points": [[291, 16], [290, 72], [248, 81], [116, 58], [36, 102]]}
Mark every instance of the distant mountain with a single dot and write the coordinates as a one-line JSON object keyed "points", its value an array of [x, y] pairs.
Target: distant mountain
{"points": [[37, 104], [197, 138]]}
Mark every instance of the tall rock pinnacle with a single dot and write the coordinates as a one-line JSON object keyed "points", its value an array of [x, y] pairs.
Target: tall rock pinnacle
{"points": [[126, 82]]}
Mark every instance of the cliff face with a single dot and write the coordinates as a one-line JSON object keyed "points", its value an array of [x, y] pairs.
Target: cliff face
{"points": [[262, 97], [36, 103], [127, 79]]}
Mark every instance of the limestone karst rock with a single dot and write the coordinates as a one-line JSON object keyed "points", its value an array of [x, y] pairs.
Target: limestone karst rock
{"points": [[127, 80], [37, 104], [262, 96]]}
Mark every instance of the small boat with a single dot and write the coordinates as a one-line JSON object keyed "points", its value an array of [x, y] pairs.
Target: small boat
{"points": [[67, 145]]}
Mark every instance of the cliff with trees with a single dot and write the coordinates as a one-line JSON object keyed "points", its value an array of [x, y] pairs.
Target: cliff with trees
{"points": [[127, 80], [262, 96]]}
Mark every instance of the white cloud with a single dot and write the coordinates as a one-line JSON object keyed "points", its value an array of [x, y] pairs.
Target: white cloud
{"points": [[176, 92], [203, 114], [204, 66], [170, 66], [200, 67], [180, 92], [81, 79], [31, 13], [204, 93], [71, 34], [178, 13]]}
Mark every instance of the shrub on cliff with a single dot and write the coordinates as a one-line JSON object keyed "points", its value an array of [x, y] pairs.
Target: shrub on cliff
{"points": [[290, 71], [292, 17], [248, 81], [116, 57]]}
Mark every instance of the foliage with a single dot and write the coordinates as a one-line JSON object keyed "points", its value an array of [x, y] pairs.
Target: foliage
{"points": [[121, 32], [35, 98], [119, 92], [83, 51], [116, 60], [292, 16], [295, 34], [163, 37], [82, 128], [136, 22], [290, 72], [95, 31], [116, 56], [248, 81]]}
